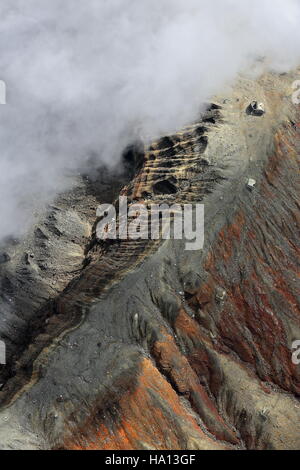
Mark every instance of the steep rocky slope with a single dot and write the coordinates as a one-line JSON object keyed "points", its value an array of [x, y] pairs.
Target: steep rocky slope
{"points": [[141, 344]]}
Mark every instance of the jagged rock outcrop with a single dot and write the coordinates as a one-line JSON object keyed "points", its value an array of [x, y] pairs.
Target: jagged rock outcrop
{"points": [[143, 345]]}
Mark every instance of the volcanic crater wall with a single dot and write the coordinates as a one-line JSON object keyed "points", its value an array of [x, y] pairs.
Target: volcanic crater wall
{"points": [[148, 346]]}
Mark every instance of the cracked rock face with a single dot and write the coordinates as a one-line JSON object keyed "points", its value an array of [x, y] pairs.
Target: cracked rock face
{"points": [[141, 344]]}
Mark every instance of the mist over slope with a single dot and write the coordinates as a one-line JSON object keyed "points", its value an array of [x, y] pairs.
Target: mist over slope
{"points": [[84, 78]]}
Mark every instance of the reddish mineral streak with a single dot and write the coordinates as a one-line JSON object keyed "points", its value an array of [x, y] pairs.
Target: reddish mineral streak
{"points": [[142, 420]]}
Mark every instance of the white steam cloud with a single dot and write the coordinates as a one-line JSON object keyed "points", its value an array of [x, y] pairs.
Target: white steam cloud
{"points": [[84, 77]]}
